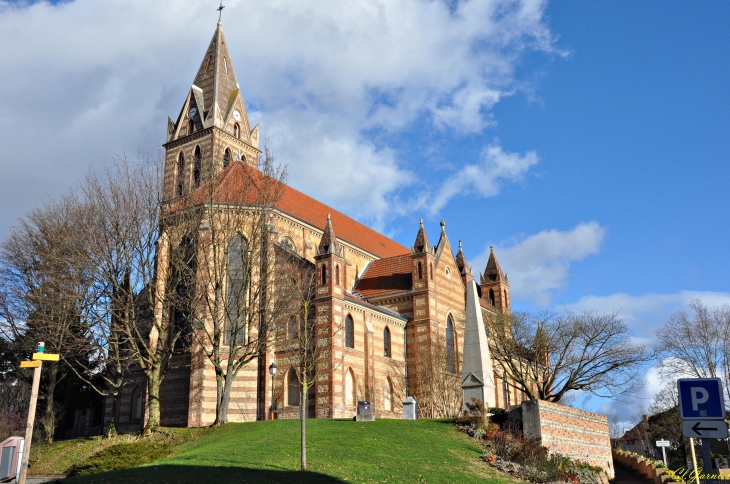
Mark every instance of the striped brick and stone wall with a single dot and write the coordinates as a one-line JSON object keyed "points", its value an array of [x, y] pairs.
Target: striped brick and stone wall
{"points": [[568, 431]]}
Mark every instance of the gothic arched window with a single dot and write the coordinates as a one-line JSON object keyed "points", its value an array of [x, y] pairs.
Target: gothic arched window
{"points": [[180, 174], [292, 389], [337, 274], [349, 332], [420, 271], [388, 395], [386, 342], [491, 297], [226, 158], [236, 131], [431, 272], [324, 273], [349, 388], [450, 357], [237, 289], [135, 412], [191, 127], [197, 165]]}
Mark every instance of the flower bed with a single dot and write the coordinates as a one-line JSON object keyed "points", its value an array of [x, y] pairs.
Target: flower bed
{"points": [[508, 451], [654, 470]]}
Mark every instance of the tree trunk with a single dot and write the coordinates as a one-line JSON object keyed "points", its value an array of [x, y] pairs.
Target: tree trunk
{"points": [[49, 419], [303, 419], [153, 394], [225, 399], [116, 398], [219, 384]]}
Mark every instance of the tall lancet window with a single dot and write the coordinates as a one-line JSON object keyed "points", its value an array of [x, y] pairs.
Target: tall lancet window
{"points": [[450, 356], [386, 342], [349, 332], [236, 131], [191, 127], [180, 174], [226, 158], [197, 165], [237, 290]]}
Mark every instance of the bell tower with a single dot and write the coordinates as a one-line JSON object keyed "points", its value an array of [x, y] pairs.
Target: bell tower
{"points": [[212, 130]]}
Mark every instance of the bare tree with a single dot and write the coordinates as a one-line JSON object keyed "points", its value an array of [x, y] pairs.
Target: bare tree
{"points": [[238, 302], [435, 381], [307, 347], [697, 344], [119, 226], [45, 281], [547, 356]]}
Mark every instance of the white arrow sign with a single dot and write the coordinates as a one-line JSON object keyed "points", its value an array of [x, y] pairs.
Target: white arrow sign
{"points": [[704, 429]]}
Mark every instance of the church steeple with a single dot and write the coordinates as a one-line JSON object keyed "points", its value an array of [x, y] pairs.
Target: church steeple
{"points": [[212, 129], [217, 79]]}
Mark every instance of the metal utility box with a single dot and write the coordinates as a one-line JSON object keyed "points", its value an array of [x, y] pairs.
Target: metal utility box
{"points": [[364, 412], [11, 453], [410, 409]]}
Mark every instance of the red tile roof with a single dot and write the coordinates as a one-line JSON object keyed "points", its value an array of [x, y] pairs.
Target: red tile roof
{"points": [[386, 276], [234, 186]]}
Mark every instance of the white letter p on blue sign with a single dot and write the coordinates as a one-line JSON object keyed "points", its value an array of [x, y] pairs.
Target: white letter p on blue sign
{"points": [[699, 396]]}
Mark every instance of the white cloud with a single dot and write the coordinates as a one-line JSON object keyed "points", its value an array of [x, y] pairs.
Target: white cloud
{"points": [[84, 79], [539, 264], [483, 179]]}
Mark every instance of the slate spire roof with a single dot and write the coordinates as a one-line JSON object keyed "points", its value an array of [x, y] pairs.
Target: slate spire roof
{"points": [[461, 260], [421, 245], [493, 273], [328, 244]]}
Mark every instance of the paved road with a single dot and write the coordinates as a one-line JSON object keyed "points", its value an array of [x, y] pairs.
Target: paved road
{"points": [[626, 475], [40, 479]]}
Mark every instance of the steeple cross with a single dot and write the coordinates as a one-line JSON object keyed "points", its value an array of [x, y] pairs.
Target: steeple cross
{"points": [[220, 10]]}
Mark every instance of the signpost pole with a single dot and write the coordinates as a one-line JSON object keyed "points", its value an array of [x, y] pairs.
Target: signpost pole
{"points": [[664, 455], [694, 459], [31, 420], [707, 459]]}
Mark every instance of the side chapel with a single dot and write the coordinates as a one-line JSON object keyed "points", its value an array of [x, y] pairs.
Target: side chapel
{"points": [[394, 303]]}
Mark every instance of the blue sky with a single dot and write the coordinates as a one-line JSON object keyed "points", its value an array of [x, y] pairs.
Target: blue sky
{"points": [[586, 141]]}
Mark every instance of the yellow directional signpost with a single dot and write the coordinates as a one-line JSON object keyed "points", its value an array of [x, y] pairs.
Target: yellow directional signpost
{"points": [[37, 363]]}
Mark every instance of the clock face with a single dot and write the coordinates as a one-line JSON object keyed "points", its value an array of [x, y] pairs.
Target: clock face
{"points": [[192, 112], [236, 115]]}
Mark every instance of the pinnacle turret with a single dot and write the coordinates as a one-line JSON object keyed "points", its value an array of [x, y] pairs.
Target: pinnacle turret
{"points": [[421, 245], [493, 273], [461, 260], [328, 244]]}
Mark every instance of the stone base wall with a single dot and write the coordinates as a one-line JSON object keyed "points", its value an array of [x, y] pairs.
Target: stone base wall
{"points": [[573, 433]]}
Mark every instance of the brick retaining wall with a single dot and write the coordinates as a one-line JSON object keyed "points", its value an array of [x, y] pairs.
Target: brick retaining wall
{"points": [[568, 431]]}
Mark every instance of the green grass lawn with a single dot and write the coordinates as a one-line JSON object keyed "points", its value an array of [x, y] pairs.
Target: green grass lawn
{"points": [[338, 451]]}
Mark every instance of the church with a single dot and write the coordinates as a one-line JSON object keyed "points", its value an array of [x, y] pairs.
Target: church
{"points": [[401, 309]]}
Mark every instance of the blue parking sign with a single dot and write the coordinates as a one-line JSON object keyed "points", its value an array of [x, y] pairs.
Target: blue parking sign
{"points": [[701, 398]]}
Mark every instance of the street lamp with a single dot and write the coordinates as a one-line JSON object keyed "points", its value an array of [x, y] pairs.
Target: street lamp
{"points": [[272, 372]]}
